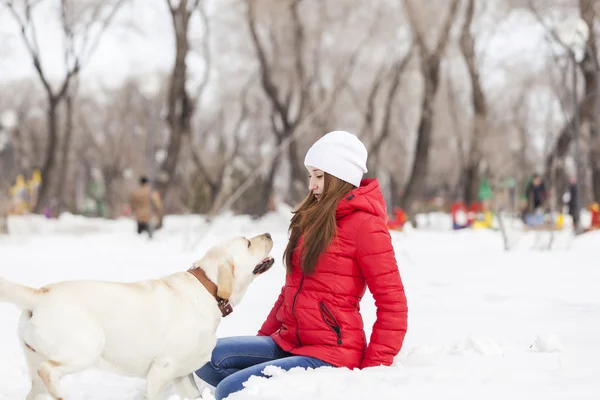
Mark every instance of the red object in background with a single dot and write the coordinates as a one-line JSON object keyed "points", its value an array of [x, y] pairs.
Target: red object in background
{"points": [[399, 220], [459, 215], [474, 210], [594, 209]]}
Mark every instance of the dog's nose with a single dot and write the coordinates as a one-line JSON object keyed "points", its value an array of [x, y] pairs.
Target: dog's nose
{"points": [[268, 235]]}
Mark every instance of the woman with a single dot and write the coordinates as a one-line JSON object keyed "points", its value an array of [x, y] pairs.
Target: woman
{"points": [[339, 245]]}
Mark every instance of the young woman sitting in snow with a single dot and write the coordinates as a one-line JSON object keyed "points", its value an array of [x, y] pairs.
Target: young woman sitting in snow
{"points": [[339, 245]]}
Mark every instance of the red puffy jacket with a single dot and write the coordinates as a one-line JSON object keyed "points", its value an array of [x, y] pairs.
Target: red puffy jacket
{"points": [[319, 315]]}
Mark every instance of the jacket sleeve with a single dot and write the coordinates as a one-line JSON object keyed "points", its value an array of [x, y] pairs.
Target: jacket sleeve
{"points": [[377, 260], [271, 324]]}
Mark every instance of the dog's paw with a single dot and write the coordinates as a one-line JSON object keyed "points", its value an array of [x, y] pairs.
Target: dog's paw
{"points": [[42, 397]]}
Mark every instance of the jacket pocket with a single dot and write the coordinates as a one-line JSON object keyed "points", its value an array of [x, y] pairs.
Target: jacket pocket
{"points": [[330, 321]]}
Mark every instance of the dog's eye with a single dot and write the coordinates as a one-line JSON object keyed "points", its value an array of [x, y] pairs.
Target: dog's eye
{"points": [[249, 243]]}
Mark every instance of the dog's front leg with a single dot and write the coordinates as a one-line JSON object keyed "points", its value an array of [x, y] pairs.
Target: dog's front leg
{"points": [[186, 387], [159, 375]]}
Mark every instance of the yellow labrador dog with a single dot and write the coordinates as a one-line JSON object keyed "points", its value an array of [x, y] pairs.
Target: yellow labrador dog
{"points": [[158, 329]]}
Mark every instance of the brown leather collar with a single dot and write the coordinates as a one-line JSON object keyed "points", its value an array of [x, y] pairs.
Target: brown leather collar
{"points": [[223, 304]]}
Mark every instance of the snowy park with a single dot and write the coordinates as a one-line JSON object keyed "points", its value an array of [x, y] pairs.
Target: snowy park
{"points": [[483, 322], [136, 135]]}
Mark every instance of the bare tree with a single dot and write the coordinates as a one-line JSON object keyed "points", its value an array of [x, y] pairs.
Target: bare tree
{"points": [[378, 126], [306, 67], [83, 26], [591, 72], [66, 145], [430, 68], [180, 104], [521, 111], [291, 91], [289, 101], [584, 112], [456, 129], [228, 153], [24, 101], [106, 142], [471, 168]]}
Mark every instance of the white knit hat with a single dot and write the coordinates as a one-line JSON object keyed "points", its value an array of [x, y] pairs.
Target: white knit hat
{"points": [[340, 154]]}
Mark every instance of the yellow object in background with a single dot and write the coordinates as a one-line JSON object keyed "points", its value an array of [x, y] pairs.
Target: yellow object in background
{"points": [[489, 219], [33, 187], [560, 220], [485, 223], [24, 194], [36, 177], [19, 196]]}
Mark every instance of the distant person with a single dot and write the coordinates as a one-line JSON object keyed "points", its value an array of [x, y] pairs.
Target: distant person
{"points": [[536, 194], [148, 215]]}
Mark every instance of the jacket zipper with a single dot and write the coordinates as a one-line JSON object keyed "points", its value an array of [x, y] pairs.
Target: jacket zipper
{"points": [[294, 311], [330, 321]]}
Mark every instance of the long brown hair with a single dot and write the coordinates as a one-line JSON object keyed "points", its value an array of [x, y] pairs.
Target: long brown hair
{"points": [[316, 222]]}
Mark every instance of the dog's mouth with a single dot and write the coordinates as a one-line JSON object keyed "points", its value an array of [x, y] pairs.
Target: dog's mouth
{"points": [[264, 265]]}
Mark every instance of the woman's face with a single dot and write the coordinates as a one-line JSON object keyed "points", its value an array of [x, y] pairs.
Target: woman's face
{"points": [[316, 181]]}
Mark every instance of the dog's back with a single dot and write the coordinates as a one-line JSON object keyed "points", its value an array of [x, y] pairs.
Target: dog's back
{"points": [[111, 324]]}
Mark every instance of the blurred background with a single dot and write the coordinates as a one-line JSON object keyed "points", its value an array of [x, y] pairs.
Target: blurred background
{"points": [[464, 105]]}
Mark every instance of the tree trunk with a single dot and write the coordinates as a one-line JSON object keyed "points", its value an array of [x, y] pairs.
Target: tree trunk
{"points": [[470, 183], [180, 105], [47, 170], [394, 191], [596, 177], [595, 160], [593, 69], [267, 188], [418, 174], [297, 174], [65, 150], [479, 128], [587, 104], [430, 68]]}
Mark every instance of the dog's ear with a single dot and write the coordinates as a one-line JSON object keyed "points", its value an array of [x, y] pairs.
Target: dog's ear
{"points": [[225, 280]]}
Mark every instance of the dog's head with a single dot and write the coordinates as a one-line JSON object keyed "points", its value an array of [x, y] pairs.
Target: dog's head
{"points": [[233, 265]]}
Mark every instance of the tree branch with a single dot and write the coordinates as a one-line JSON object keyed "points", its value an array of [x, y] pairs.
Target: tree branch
{"points": [[205, 50], [266, 74]]}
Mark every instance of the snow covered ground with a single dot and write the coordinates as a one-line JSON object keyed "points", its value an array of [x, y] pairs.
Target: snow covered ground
{"points": [[483, 323]]}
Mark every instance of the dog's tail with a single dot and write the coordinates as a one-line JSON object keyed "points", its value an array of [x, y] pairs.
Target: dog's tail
{"points": [[22, 296]]}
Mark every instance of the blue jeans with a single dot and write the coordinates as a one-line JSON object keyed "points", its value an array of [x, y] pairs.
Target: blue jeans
{"points": [[235, 359]]}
